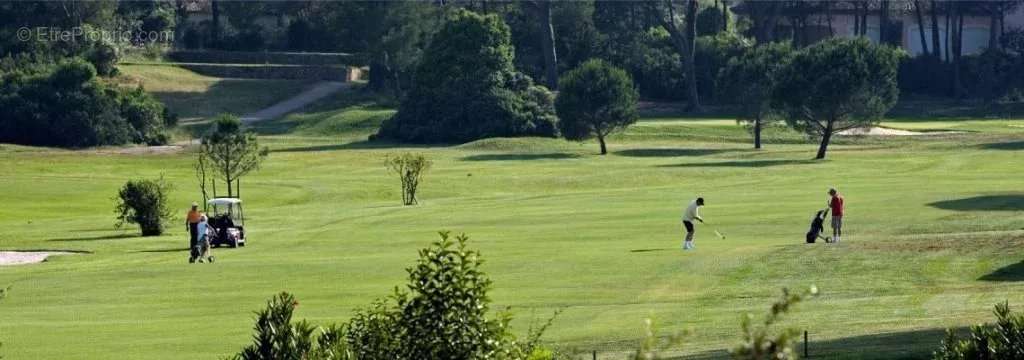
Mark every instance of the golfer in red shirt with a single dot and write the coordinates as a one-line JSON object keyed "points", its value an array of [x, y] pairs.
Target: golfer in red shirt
{"points": [[836, 204]]}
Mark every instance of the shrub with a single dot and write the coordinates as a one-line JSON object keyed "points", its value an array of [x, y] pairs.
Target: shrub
{"points": [[103, 56], [147, 116], [466, 88], [1002, 340], [442, 315], [992, 74], [758, 343], [410, 170], [278, 338], [924, 75], [143, 202], [596, 100]]}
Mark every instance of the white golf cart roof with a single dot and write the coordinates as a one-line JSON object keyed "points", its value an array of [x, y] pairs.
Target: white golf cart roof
{"points": [[224, 201]]}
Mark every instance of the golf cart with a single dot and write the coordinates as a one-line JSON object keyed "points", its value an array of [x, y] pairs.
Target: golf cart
{"points": [[226, 223]]}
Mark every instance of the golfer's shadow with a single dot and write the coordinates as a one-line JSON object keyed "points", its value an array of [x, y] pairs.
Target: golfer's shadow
{"points": [[647, 250]]}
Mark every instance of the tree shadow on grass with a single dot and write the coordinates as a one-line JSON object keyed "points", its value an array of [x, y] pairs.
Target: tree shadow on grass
{"points": [[358, 145], [750, 163], [1004, 202], [1009, 145], [96, 238], [916, 344], [515, 157], [667, 152], [164, 250], [1012, 272]]}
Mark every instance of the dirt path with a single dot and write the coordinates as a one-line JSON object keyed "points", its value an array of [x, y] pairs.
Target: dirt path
{"points": [[317, 92]]}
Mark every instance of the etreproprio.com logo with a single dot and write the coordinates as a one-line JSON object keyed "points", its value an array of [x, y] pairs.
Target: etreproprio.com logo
{"points": [[54, 34]]}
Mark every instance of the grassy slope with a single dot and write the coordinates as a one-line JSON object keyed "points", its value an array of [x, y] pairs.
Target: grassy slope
{"points": [[191, 95], [933, 237]]}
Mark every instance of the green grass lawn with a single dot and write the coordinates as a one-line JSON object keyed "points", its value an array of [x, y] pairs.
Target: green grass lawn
{"points": [[934, 236]]}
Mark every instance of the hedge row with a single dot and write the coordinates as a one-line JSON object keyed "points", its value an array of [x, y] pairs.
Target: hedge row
{"points": [[261, 57]]}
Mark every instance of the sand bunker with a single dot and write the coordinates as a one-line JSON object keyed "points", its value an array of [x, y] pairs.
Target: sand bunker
{"points": [[27, 257], [881, 131]]}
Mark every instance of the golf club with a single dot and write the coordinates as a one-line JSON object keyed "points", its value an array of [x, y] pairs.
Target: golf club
{"points": [[720, 236]]}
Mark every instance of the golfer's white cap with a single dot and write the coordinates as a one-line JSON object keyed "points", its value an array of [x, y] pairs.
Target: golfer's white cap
{"points": [[195, 204]]}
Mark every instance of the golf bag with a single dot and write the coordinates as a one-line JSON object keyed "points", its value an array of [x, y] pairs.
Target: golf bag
{"points": [[817, 226]]}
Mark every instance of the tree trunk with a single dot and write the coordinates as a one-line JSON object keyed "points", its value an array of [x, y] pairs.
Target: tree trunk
{"points": [[604, 148], [378, 71], [856, 19], [958, 52], [883, 23], [828, 16], [920, 27], [547, 42], [215, 17], [949, 30], [936, 43], [691, 45], [757, 132], [993, 29], [725, 15], [825, 138], [1002, 27]]}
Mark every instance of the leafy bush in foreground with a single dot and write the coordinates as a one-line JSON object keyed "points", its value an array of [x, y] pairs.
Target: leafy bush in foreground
{"points": [[1002, 340], [278, 338], [759, 343], [443, 314]]}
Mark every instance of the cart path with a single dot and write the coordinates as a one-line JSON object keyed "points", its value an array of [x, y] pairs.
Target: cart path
{"points": [[316, 92]]}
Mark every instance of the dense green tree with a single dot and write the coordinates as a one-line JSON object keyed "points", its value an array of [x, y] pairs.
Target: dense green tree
{"points": [[749, 80], [837, 84], [596, 100], [465, 88], [66, 105]]}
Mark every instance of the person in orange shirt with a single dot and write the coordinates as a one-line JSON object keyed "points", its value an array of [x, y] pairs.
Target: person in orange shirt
{"points": [[836, 203], [192, 224]]}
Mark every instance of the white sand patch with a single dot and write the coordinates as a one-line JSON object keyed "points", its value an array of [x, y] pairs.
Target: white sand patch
{"points": [[881, 131], [27, 257]]}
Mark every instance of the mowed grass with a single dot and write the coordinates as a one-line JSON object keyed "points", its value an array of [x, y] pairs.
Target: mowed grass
{"points": [[933, 237]]}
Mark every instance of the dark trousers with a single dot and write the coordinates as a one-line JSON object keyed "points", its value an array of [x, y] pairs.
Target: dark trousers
{"points": [[193, 238]]}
